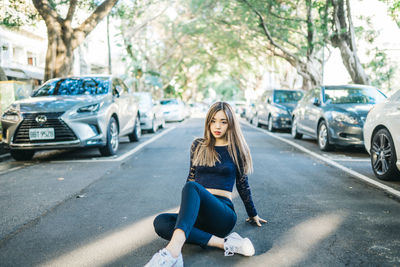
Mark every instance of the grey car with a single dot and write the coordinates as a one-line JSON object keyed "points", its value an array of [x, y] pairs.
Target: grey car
{"points": [[275, 109], [151, 114], [335, 115], [89, 111]]}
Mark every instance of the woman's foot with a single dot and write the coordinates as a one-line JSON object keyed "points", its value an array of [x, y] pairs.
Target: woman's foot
{"points": [[234, 243], [164, 258]]}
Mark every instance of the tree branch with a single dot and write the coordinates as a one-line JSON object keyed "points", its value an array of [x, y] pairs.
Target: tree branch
{"points": [[91, 22], [267, 33], [71, 10], [47, 13]]}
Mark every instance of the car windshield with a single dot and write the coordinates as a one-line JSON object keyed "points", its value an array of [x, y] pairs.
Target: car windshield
{"points": [[285, 96], [169, 102], [74, 86], [353, 96]]}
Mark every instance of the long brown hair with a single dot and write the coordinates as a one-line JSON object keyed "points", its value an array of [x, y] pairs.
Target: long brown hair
{"points": [[205, 154]]}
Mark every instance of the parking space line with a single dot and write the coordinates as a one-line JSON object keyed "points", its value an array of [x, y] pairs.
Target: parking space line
{"points": [[10, 170], [121, 157], [331, 162], [350, 159]]}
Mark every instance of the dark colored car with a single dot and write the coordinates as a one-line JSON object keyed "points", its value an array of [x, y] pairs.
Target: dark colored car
{"points": [[335, 115], [275, 109]]}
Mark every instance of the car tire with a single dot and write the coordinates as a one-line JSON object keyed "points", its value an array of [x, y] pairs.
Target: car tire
{"points": [[22, 155], [323, 137], [383, 156], [294, 132], [255, 122], [162, 126], [154, 126], [270, 124], [112, 144], [137, 131]]}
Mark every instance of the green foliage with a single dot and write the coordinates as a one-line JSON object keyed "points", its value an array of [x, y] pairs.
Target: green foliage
{"points": [[17, 13], [381, 70]]}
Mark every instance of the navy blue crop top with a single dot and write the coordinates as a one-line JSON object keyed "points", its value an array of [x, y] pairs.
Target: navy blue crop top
{"points": [[222, 176]]}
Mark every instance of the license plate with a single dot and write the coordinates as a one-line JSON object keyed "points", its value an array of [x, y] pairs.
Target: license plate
{"points": [[41, 134]]}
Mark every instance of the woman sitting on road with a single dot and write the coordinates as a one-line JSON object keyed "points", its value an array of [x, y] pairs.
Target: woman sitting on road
{"points": [[207, 215]]}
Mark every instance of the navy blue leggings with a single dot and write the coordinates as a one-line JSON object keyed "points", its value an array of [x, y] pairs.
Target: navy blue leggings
{"points": [[201, 215]]}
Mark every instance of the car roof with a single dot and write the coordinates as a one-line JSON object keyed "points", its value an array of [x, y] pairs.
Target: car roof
{"points": [[355, 86]]}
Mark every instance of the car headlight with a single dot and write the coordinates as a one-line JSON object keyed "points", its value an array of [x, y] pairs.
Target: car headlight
{"points": [[281, 111], [91, 108], [10, 117], [342, 117], [11, 114]]}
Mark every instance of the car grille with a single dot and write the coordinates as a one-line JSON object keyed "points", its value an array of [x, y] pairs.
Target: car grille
{"points": [[61, 130]]}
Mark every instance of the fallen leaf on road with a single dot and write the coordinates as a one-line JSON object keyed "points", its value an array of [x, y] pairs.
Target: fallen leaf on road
{"points": [[60, 179]]}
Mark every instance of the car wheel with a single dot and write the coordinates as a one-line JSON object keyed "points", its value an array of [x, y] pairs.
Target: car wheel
{"points": [[383, 156], [21, 155], [137, 131], [270, 124], [154, 126], [295, 133], [323, 137], [255, 121], [112, 144]]}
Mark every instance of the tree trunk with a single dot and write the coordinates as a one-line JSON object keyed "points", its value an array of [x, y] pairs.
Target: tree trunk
{"points": [[62, 38], [3, 76], [343, 37], [309, 68]]}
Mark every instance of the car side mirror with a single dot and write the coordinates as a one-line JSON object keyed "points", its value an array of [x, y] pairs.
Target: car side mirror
{"points": [[316, 102]]}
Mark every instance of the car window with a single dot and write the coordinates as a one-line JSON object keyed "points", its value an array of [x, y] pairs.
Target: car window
{"points": [[169, 102], [74, 86], [285, 96], [123, 86], [118, 87], [353, 95]]}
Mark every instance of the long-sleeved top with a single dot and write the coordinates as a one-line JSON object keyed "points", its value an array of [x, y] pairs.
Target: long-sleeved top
{"points": [[222, 176]]}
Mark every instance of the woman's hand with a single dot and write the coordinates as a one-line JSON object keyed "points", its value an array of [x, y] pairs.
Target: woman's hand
{"points": [[256, 220]]}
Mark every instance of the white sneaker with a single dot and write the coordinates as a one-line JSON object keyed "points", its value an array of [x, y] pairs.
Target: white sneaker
{"points": [[164, 258], [234, 243]]}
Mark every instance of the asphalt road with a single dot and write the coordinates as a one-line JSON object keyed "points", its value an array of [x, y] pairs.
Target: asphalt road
{"points": [[78, 209]]}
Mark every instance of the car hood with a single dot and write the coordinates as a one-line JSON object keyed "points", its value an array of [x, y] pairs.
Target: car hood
{"points": [[359, 109], [287, 106], [170, 107], [56, 103]]}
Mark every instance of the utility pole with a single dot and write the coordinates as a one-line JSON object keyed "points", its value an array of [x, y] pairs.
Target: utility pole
{"points": [[108, 44]]}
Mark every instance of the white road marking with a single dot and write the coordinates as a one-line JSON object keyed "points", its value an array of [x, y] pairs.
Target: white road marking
{"points": [[331, 162], [350, 159], [10, 170], [121, 157]]}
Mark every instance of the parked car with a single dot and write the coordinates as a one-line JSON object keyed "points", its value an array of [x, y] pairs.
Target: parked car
{"points": [[174, 109], [382, 138], [275, 108], [151, 114], [335, 115], [88, 111]]}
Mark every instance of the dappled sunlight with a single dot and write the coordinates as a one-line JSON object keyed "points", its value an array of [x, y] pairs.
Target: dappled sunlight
{"points": [[111, 247], [298, 242]]}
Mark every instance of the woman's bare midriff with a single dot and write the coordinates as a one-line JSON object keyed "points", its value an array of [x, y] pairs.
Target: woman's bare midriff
{"points": [[219, 192]]}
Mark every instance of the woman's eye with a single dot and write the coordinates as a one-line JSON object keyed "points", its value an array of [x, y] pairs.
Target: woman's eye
{"points": [[224, 122]]}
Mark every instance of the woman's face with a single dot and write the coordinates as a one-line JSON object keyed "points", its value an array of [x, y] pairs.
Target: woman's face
{"points": [[219, 125]]}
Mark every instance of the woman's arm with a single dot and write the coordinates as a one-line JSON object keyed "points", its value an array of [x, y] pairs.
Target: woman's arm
{"points": [[243, 188], [192, 169]]}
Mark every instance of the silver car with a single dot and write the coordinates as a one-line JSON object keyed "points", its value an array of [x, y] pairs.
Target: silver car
{"points": [[151, 115], [335, 115], [88, 111]]}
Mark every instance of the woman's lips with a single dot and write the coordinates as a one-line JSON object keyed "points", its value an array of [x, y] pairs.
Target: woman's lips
{"points": [[217, 133]]}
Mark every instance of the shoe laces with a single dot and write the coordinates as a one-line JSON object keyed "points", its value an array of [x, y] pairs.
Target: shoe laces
{"points": [[229, 250]]}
